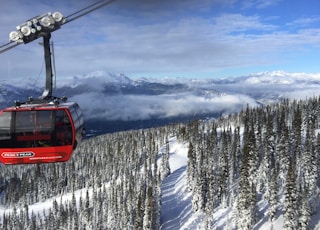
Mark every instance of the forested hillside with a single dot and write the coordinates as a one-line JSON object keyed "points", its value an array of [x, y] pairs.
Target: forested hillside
{"points": [[266, 156], [260, 156]]}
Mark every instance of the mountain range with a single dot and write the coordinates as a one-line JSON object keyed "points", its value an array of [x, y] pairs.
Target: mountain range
{"points": [[115, 102]]}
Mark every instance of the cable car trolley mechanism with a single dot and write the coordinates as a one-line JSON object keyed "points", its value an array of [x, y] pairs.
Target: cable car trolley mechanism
{"points": [[46, 129]]}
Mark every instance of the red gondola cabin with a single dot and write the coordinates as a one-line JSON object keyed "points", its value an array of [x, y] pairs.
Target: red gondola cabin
{"points": [[40, 133]]}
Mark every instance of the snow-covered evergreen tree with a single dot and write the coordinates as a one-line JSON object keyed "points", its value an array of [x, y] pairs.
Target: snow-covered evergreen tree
{"points": [[273, 196], [191, 168], [245, 209], [290, 202]]}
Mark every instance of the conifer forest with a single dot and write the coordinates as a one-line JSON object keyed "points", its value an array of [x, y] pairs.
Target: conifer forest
{"points": [[113, 181]]}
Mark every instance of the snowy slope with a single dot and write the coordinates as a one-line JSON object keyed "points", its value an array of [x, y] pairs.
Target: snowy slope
{"points": [[176, 201], [42, 208], [176, 209]]}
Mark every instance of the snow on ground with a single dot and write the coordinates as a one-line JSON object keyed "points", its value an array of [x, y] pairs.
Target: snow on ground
{"points": [[175, 204], [44, 206], [176, 201], [178, 154], [176, 208]]}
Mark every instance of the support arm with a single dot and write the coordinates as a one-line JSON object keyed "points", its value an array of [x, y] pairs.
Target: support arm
{"points": [[47, 93]]}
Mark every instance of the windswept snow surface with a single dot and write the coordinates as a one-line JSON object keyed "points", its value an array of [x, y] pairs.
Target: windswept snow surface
{"points": [[176, 201], [176, 208]]}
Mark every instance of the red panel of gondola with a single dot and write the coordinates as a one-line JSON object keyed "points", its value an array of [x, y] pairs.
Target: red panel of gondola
{"points": [[40, 133]]}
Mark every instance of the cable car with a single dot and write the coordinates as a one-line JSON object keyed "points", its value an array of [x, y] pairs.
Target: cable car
{"points": [[40, 133], [47, 129]]}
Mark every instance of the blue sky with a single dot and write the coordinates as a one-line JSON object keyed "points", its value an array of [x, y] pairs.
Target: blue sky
{"points": [[156, 38]]}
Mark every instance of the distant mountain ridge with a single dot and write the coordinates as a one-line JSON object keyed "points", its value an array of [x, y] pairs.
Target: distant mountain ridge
{"points": [[109, 83], [107, 97]]}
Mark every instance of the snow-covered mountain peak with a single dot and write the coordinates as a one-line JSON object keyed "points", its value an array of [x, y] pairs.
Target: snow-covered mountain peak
{"points": [[95, 80], [280, 77]]}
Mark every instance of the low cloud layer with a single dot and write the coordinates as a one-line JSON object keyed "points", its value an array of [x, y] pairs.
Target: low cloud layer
{"points": [[220, 96], [143, 107], [112, 97]]}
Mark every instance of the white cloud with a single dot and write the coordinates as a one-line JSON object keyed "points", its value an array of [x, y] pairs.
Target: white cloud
{"points": [[199, 98], [157, 36], [304, 21], [230, 23], [143, 107], [259, 4]]}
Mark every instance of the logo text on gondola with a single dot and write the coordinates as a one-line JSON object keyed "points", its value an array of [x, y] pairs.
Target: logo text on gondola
{"points": [[17, 154]]}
